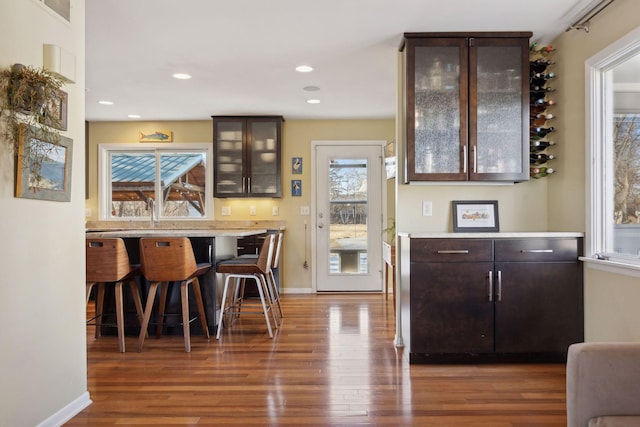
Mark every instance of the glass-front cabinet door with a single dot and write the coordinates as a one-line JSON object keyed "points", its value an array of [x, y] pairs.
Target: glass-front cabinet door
{"points": [[466, 106], [437, 113], [499, 109], [247, 156]]}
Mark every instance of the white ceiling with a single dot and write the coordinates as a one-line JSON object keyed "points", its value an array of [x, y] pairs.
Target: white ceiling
{"points": [[242, 53]]}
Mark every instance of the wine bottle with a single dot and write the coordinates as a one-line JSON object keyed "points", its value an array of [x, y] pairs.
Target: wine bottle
{"points": [[538, 146], [537, 133], [541, 89], [541, 48], [540, 79], [540, 172], [539, 159], [541, 105], [540, 119], [539, 65]]}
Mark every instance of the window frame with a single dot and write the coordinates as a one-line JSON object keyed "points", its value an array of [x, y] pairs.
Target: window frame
{"points": [[104, 175], [599, 157]]}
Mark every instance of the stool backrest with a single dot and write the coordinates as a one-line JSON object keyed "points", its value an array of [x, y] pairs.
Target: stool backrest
{"points": [[107, 260], [278, 250], [265, 256], [167, 259]]}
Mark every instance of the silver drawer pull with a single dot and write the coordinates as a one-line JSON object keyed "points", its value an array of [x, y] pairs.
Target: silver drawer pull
{"points": [[536, 251], [461, 251]]}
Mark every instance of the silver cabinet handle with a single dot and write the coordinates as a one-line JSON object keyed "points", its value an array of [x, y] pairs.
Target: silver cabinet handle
{"points": [[536, 251], [465, 159], [499, 285], [249, 184], [490, 286], [461, 251]]}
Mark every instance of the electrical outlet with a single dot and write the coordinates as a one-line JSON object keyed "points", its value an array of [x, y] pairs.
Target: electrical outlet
{"points": [[275, 210], [226, 210], [252, 210], [304, 210], [427, 208], [87, 212]]}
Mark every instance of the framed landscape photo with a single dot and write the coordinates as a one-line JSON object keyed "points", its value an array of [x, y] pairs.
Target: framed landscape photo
{"points": [[43, 168], [475, 216]]}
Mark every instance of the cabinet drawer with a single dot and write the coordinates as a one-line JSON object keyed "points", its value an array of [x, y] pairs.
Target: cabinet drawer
{"points": [[451, 250], [536, 250]]}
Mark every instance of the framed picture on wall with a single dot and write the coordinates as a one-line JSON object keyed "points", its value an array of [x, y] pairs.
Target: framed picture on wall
{"points": [[475, 215]]}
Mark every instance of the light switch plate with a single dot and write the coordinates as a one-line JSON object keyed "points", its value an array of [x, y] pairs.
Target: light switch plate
{"points": [[304, 210], [226, 210], [427, 208], [252, 210], [275, 210]]}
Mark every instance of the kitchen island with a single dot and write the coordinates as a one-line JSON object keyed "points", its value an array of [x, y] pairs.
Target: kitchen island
{"points": [[210, 245]]}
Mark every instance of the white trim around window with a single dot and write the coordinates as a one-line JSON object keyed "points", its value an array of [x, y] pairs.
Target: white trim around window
{"points": [[599, 157]]}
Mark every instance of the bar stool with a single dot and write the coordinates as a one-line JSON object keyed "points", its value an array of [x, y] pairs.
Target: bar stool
{"points": [[107, 263], [255, 269], [171, 259], [274, 294]]}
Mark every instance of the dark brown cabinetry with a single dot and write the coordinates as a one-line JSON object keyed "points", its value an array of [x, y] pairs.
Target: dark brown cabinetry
{"points": [[247, 154], [512, 299], [467, 106]]}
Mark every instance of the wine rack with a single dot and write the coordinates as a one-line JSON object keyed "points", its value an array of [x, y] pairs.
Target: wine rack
{"points": [[541, 118]]}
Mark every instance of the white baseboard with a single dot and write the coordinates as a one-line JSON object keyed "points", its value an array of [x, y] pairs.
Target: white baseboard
{"points": [[68, 412], [296, 291]]}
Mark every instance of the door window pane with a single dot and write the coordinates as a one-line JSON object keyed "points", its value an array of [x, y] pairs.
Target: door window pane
{"points": [[348, 207]]}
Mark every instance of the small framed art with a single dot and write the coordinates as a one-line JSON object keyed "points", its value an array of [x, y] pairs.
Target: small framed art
{"points": [[475, 216]]}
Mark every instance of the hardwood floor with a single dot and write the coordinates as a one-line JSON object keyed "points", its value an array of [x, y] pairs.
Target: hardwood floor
{"points": [[332, 362]]}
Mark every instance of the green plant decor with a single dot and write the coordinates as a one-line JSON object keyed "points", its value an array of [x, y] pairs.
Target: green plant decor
{"points": [[391, 230], [30, 97]]}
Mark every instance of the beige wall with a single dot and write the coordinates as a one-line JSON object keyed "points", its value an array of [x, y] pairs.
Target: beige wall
{"points": [[297, 137], [42, 296], [611, 309]]}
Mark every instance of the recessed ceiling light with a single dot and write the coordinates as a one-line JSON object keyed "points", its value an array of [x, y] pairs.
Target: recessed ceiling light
{"points": [[313, 101], [182, 76], [311, 88], [105, 102], [134, 116], [304, 69]]}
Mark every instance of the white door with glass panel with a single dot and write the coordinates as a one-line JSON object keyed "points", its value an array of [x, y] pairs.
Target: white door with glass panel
{"points": [[348, 219]]}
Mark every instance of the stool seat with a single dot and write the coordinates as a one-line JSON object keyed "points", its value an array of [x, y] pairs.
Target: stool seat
{"points": [[107, 264], [171, 259]]}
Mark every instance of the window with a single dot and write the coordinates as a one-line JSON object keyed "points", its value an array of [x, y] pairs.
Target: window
{"points": [[613, 166], [154, 182]]}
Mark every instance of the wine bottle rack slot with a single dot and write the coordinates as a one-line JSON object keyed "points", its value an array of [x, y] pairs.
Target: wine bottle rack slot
{"points": [[541, 128]]}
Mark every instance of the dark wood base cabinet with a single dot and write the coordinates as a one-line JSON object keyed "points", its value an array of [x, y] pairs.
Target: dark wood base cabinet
{"points": [[493, 299]]}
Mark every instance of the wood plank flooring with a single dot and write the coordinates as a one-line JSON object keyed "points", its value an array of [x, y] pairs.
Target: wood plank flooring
{"points": [[331, 363]]}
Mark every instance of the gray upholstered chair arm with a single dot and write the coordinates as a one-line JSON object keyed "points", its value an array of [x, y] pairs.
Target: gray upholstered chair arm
{"points": [[602, 379]]}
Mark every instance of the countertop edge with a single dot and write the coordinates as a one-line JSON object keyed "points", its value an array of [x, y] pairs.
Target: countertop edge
{"points": [[176, 233], [506, 235]]}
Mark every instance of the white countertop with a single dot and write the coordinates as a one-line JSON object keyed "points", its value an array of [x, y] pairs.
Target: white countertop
{"points": [[159, 232], [507, 235]]}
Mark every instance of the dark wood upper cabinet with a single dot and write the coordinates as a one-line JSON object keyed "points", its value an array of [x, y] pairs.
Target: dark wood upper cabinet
{"points": [[467, 106], [247, 156]]}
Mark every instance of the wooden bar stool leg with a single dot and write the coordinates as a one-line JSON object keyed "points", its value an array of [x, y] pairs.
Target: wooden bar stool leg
{"points": [[203, 317], [186, 330], [119, 316], [133, 286], [99, 308], [89, 287], [163, 305], [153, 287]]}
